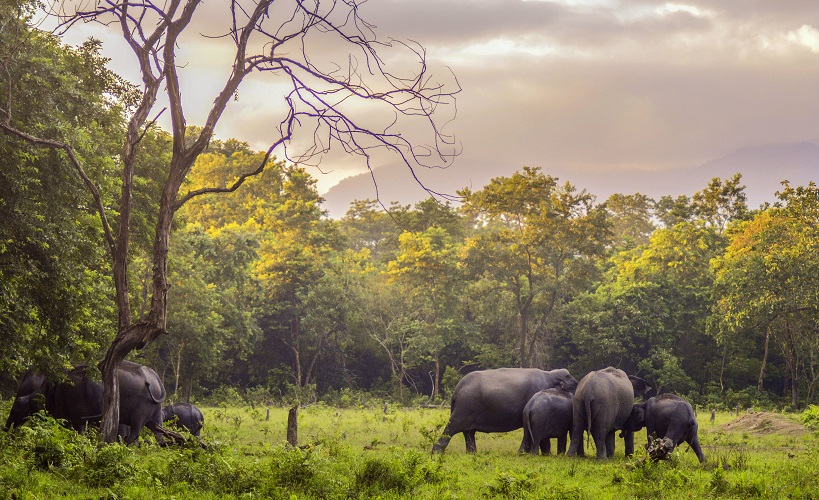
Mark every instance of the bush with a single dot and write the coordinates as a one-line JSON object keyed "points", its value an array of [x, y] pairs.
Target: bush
{"points": [[213, 471], [810, 417], [47, 444], [400, 474], [224, 395], [750, 397], [509, 485], [109, 464]]}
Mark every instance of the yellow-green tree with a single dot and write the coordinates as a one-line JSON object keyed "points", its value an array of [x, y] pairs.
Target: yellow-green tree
{"points": [[767, 285], [426, 272], [537, 242]]}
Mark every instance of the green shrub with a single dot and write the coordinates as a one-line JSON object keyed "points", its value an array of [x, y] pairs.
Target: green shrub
{"points": [[213, 470], [224, 395], [400, 474], [810, 417], [109, 464], [47, 444], [509, 484]]}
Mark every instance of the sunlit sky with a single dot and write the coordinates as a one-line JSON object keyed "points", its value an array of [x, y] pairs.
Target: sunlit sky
{"points": [[587, 85]]}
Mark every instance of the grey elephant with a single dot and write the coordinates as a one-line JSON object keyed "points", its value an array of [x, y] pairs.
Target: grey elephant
{"points": [[670, 418], [546, 416], [184, 415], [602, 404], [78, 400], [140, 402], [74, 398], [493, 401]]}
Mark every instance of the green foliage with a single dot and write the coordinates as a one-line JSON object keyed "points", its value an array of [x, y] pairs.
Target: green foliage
{"points": [[810, 417], [55, 288], [211, 470], [109, 464], [51, 445], [509, 484], [399, 474]]}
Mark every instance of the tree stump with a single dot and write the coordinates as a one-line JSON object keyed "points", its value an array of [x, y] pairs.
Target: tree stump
{"points": [[293, 426]]}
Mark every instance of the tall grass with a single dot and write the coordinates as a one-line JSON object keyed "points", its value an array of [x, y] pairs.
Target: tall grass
{"points": [[367, 453]]}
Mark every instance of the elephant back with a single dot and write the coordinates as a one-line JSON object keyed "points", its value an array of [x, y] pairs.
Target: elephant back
{"points": [[142, 376]]}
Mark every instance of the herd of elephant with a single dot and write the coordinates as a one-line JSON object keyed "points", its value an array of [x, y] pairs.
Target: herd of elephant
{"points": [[553, 404], [546, 404], [77, 400]]}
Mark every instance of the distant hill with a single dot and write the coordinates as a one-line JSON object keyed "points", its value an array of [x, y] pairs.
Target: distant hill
{"points": [[763, 169]]}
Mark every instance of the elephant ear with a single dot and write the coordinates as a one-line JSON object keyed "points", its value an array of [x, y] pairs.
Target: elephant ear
{"points": [[640, 386]]}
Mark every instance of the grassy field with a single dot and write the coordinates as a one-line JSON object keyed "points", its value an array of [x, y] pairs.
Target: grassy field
{"points": [[365, 453]]}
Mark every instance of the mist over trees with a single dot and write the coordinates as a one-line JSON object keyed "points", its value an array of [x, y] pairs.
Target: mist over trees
{"points": [[271, 299]]}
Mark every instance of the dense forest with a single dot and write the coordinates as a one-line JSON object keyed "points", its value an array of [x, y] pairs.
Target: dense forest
{"points": [[272, 300]]}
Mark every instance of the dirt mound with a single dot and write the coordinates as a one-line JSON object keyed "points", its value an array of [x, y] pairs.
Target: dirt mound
{"points": [[765, 423]]}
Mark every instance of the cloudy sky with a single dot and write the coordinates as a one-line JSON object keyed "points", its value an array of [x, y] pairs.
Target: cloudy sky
{"points": [[586, 85]]}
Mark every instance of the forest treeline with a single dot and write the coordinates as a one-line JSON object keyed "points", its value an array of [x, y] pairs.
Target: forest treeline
{"points": [[700, 295]]}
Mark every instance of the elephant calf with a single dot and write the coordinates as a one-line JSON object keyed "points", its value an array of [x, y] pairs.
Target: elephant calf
{"points": [[184, 415], [547, 415], [668, 417]]}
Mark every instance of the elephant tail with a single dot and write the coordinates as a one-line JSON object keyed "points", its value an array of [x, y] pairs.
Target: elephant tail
{"points": [[156, 399], [153, 383], [527, 421]]}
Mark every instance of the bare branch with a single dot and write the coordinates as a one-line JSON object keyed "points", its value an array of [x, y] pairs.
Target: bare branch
{"points": [[233, 187]]}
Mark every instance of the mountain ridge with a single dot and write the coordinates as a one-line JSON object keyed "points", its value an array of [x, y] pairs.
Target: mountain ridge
{"points": [[763, 168]]}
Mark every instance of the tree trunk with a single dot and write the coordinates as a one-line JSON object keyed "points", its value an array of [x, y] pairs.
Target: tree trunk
{"points": [[178, 367], [436, 384], [524, 339], [187, 387], [722, 370], [134, 337], [759, 384], [293, 426]]}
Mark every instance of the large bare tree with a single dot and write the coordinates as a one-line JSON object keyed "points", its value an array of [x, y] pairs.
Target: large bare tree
{"points": [[353, 102]]}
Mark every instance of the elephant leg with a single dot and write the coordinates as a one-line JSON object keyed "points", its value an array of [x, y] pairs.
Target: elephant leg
{"points": [[528, 443], [533, 444], [599, 437], [610, 443], [122, 432], [576, 445], [546, 446], [133, 434], [561, 444], [469, 437]]}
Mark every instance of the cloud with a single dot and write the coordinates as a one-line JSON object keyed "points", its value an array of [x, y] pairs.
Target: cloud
{"points": [[806, 35], [584, 84]]}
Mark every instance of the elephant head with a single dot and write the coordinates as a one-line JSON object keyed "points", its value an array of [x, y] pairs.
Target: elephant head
{"points": [[636, 421], [23, 407], [566, 381]]}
